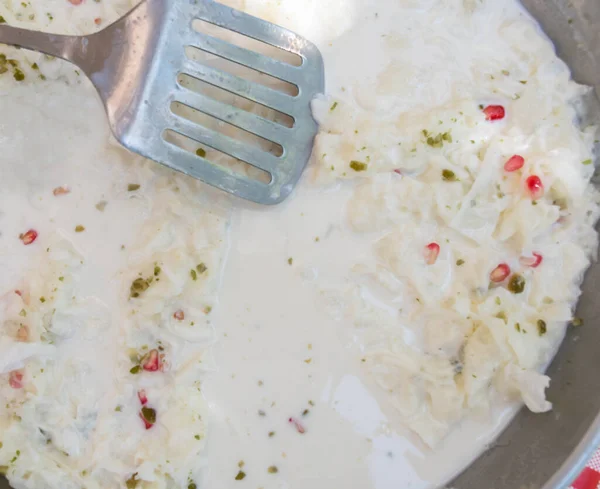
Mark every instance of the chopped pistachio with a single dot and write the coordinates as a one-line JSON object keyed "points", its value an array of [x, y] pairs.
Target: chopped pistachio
{"points": [[149, 414], [23, 313], [358, 165], [271, 434], [290, 261], [460, 263], [197, 437], [201, 268], [587, 162], [577, 322], [118, 409], [138, 286], [192, 485], [18, 74], [272, 469], [135, 370], [240, 475], [193, 274], [101, 205], [2, 20], [305, 412], [502, 315], [541, 326], [42, 299], [131, 483], [518, 327], [498, 301], [132, 187], [79, 228], [516, 284], [448, 176], [333, 107], [34, 66], [201, 152], [157, 270]]}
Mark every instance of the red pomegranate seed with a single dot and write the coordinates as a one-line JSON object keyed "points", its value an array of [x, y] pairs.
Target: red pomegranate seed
{"points": [[28, 237], [500, 273], [61, 190], [494, 112], [23, 333], [15, 379], [431, 252], [179, 315], [515, 163], [142, 396], [75, 2], [97, 21], [399, 172], [535, 187], [531, 261], [19, 293], [297, 424], [150, 361]]}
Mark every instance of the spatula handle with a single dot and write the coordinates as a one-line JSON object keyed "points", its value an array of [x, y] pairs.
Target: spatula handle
{"points": [[71, 48]]}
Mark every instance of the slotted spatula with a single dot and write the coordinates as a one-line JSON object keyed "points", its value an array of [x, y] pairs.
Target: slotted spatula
{"points": [[135, 63]]}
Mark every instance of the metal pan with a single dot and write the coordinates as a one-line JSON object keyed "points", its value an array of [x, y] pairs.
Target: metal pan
{"points": [[547, 451]]}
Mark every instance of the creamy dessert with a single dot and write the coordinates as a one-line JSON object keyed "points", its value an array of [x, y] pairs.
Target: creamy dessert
{"points": [[376, 330]]}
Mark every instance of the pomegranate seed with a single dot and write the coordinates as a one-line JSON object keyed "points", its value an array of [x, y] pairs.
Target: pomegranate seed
{"points": [[29, 237], [61, 190], [142, 396], [431, 252], [179, 315], [15, 379], [515, 163], [97, 21], [399, 172], [150, 362], [533, 261], [23, 333], [297, 424], [75, 2], [494, 112], [19, 293], [535, 187], [500, 273]]}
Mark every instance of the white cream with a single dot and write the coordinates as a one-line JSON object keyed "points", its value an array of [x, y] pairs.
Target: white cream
{"points": [[323, 304]]}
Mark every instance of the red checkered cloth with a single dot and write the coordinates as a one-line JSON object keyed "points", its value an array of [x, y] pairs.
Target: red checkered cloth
{"points": [[590, 477]]}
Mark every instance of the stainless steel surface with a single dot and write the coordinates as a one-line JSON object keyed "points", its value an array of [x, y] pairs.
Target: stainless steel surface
{"points": [[547, 451], [135, 62]]}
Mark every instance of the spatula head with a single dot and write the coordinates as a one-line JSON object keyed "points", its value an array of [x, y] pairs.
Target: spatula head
{"points": [[148, 101]]}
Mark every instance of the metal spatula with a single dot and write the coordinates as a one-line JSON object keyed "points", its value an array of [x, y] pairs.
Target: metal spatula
{"points": [[135, 63]]}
